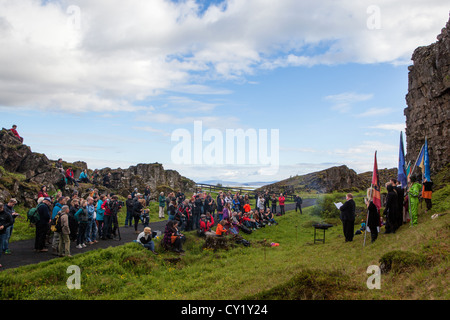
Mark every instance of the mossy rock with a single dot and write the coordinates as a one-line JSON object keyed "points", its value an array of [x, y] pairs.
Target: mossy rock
{"points": [[309, 285], [399, 261]]}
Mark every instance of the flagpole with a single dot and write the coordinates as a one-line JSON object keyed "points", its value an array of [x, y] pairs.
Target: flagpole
{"points": [[415, 163]]}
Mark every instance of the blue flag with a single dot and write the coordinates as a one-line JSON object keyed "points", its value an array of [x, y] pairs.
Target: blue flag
{"points": [[426, 162], [401, 164]]}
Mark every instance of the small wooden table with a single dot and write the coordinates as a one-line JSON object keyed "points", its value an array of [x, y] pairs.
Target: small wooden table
{"points": [[321, 226]]}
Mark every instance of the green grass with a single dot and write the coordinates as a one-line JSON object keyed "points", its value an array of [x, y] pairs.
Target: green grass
{"points": [[296, 269]]}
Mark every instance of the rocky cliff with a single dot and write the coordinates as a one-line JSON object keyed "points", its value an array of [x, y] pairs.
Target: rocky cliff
{"points": [[23, 172], [428, 100], [332, 179]]}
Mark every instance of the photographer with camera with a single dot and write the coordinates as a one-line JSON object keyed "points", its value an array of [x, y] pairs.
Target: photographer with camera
{"points": [[146, 239], [114, 206]]}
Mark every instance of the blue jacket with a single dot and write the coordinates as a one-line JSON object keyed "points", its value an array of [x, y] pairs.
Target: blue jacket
{"points": [[56, 209], [100, 211], [83, 175]]}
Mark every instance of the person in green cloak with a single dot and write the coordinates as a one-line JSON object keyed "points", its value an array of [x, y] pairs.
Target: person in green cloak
{"points": [[414, 193]]}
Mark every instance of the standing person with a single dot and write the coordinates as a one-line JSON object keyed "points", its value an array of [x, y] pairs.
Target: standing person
{"points": [[56, 208], [281, 200], [427, 191], [43, 225], [413, 194], [107, 222], [99, 216], [390, 211], [147, 194], [298, 203], [348, 217], [91, 228], [196, 212], [373, 216], [73, 223], [129, 204], [138, 207], [5, 221], [162, 204], [15, 133], [114, 207], [220, 205], [64, 234], [260, 203], [82, 217], [145, 238], [274, 204], [9, 209]]}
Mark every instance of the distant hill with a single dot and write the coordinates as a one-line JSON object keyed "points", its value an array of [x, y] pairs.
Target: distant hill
{"points": [[235, 183], [339, 178]]}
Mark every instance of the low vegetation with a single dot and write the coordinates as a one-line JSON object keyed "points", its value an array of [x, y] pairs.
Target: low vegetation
{"points": [[296, 269]]}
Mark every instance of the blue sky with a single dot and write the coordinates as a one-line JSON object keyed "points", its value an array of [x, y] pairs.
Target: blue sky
{"points": [[109, 82]]}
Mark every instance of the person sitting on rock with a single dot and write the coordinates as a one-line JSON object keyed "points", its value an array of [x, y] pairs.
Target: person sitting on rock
{"points": [[84, 177], [15, 133], [70, 176]]}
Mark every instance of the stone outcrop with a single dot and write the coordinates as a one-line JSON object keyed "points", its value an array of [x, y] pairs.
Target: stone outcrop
{"points": [[428, 100], [332, 179], [23, 172]]}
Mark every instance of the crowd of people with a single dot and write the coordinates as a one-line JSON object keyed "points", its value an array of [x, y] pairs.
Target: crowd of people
{"points": [[400, 207]]}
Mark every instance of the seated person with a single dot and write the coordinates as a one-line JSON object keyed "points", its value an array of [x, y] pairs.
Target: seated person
{"points": [[15, 133], [70, 176], [269, 217], [221, 231], [146, 239], [84, 177], [173, 239], [206, 222]]}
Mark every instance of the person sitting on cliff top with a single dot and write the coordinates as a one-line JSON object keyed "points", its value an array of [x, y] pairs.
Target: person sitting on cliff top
{"points": [[70, 176], [15, 133]]}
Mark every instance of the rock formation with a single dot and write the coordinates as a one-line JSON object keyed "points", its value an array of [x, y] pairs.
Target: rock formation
{"points": [[332, 179], [428, 99], [23, 172]]}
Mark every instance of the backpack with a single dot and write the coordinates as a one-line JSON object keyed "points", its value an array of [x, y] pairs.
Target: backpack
{"points": [[56, 223], [33, 215]]}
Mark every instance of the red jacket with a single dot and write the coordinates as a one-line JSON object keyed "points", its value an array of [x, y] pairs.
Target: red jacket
{"points": [[206, 225], [69, 173], [281, 200]]}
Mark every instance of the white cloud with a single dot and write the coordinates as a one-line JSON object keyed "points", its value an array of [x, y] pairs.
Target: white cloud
{"points": [[374, 112], [123, 53], [391, 127], [343, 102]]}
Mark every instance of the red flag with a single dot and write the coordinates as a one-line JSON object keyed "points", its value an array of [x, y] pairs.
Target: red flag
{"points": [[376, 184]]}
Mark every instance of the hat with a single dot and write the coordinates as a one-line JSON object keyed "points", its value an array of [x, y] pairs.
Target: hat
{"points": [[48, 199]]}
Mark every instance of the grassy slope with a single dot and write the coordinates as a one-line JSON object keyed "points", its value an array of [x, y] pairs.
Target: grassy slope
{"points": [[296, 269]]}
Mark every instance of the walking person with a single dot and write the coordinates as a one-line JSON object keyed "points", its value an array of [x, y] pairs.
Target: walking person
{"points": [[348, 217]]}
